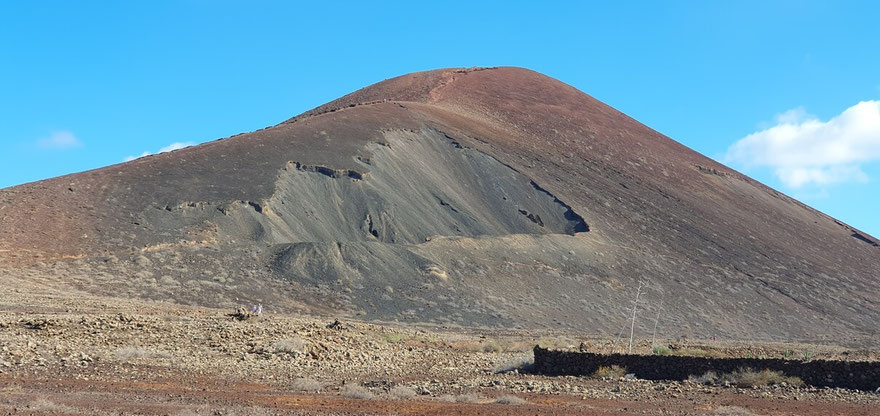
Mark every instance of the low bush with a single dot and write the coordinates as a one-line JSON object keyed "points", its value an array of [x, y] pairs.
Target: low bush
{"points": [[748, 378]]}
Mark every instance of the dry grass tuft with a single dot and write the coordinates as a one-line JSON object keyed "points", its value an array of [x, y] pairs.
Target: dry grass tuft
{"points": [[521, 363], [206, 410], [307, 384], [732, 411], [394, 338], [42, 404], [709, 378], [462, 398], [614, 371], [294, 345], [510, 399], [353, 391], [402, 393], [493, 346], [749, 378], [469, 398]]}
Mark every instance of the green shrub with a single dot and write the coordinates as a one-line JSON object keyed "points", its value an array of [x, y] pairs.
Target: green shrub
{"points": [[661, 350]]}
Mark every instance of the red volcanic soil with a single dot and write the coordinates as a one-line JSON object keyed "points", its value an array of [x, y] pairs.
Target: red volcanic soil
{"points": [[215, 395], [479, 197]]}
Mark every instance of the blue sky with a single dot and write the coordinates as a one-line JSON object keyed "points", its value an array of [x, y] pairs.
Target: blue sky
{"points": [[772, 88]]}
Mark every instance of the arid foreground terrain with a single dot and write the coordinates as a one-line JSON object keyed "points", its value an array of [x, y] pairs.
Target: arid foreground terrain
{"points": [[68, 353]]}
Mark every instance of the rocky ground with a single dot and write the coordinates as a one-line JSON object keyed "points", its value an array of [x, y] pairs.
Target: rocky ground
{"points": [[76, 354]]}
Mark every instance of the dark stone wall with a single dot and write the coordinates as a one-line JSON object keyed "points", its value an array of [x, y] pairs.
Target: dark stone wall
{"points": [[859, 375]]}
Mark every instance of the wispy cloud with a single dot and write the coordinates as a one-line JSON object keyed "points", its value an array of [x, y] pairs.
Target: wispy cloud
{"points": [[61, 139], [812, 196], [170, 147], [803, 150]]}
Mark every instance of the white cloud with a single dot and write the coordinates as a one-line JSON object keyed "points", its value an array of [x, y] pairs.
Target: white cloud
{"points": [[803, 150], [812, 196], [169, 148], [59, 140], [794, 116], [798, 177]]}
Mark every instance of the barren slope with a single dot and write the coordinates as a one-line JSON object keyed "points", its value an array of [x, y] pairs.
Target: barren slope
{"points": [[490, 197]]}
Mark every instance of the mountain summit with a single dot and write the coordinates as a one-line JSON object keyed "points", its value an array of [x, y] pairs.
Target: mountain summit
{"points": [[493, 197]]}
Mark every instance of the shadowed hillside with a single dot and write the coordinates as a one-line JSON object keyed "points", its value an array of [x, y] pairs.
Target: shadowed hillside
{"points": [[481, 197]]}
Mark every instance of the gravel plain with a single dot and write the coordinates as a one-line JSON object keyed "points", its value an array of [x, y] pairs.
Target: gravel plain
{"points": [[94, 355]]}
